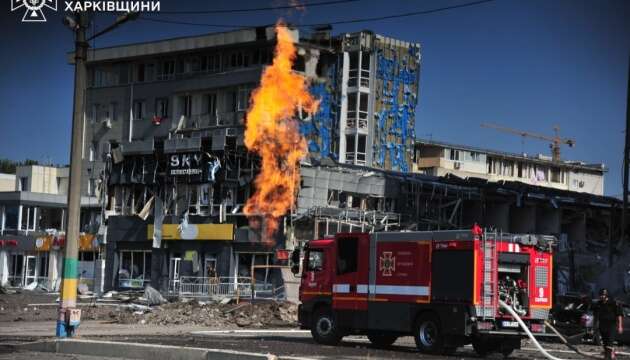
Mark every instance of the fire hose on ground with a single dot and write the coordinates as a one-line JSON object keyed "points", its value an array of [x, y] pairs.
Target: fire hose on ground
{"points": [[531, 336]]}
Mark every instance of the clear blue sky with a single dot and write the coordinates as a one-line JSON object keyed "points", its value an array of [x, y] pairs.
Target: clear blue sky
{"points": [[528, 64]]}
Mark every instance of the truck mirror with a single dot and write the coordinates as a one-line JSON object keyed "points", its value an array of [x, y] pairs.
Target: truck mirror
{"points": [[295, 256], [295, 268]]}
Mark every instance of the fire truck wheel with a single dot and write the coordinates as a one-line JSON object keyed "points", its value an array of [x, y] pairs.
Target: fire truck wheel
{"points": [[382, 341], [324, 329], [428, 334]]}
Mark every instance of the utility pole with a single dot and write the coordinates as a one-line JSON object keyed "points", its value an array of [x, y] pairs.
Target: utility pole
{"points": [[626, 153], [69, 316]]}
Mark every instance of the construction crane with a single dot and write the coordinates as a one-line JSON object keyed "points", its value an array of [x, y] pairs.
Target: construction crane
{"points": [[555, 141]]}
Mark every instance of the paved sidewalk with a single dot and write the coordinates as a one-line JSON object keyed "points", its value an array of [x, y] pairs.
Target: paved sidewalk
{"points": [[28, 355], [92, 328]]}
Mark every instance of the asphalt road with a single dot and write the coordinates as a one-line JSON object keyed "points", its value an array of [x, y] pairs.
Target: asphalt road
{"points": [[299, 344]]}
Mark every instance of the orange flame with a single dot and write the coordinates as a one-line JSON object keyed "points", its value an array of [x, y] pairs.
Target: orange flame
{"points": [[273, 132]]}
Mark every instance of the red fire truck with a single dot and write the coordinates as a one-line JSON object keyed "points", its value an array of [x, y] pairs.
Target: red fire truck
{"points": [[441, 287]]}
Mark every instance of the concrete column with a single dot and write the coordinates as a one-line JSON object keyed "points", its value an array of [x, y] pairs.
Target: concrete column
{"points": [[19, 222], [548, 221], [498, 216], [99, 275], [53, 269], [523, 219], [3, 219], [4, 268]]}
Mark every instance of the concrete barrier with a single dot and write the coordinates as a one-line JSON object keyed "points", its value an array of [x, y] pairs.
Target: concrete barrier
{"points": [[138, 351]]}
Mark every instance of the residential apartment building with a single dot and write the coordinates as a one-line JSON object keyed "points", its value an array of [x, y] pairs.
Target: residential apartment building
{"points": [[440, 159], [7, 182], [164, 135], [32, 228]]}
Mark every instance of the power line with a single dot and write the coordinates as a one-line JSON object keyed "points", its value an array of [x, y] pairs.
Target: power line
{"points": [[350, 21], [226, 11]]}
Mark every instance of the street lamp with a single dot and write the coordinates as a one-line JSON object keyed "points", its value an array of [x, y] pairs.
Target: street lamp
{"points": [[69, 316]]}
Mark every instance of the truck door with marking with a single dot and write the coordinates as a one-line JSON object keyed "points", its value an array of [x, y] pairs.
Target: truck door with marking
{"points": [[351, 271]]}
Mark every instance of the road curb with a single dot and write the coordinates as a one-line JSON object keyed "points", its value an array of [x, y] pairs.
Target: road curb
{"points": [[138, 351]]}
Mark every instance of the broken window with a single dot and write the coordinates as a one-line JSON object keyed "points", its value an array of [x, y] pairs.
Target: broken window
{"points": [[519, 170], [185, 105], [365, 69], [363, 110], [211, 63], [161, 107], [94, 113], [244, 93], [508, 168], [557, 175], [350, 149], [210, 103], [43, 265], [16, 266], [361, 149], [93, 151], [140, 69], [347, 255], [166, 70], [365, 60], [299, 64], [352, 109], [111, 113], [134, 268], [354, 60], [139, 109], [11, 217], [333, 197], [454, 155]]}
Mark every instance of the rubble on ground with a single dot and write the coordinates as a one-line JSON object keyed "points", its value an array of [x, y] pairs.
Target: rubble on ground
{"points": [[214, 315], [134, 308], [153, 296]]}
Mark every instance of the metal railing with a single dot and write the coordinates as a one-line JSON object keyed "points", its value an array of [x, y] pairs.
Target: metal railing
{"points": [[221, 287]]}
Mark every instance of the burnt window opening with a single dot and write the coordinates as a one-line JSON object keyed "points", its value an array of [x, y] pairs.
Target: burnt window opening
{"points": [[354, 60], [299, 64], [347, 255], [320, 68], [261, 33]]}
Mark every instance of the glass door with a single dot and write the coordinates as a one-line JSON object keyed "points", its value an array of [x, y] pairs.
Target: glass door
{"points": [[173, 274], [30, 270]]}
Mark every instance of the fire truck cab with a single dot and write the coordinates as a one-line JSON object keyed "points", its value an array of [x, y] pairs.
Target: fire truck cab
{"points": [[441, 287]]}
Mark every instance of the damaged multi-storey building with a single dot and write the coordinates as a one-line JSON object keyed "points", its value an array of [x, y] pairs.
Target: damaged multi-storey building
{"points": [[165, 146], [164, 142], [33, 208]]}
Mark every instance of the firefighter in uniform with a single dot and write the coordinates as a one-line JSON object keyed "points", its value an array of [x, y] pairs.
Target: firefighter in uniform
{"points": [[609, 318]]}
